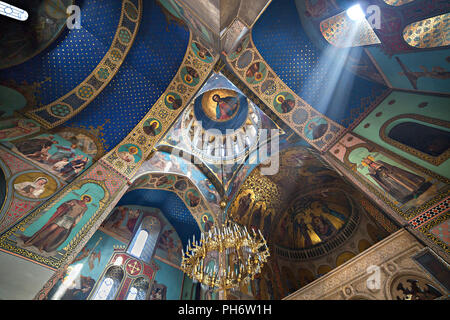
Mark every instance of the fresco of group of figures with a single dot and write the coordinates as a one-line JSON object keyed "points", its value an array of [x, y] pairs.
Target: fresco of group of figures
{"points": [[114, 235], [54, 154], [35, 166], [312, 220], [23, 187]]}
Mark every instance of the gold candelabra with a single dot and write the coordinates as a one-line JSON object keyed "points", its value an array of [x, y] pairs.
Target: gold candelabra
{"points": [[225, 256]]}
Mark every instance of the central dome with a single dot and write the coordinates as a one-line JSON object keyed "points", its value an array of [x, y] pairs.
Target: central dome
{"points": [[221, 109]]}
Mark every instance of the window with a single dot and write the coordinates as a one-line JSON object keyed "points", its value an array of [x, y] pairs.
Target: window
{"points": [[109, 285], [139, 244], [138, 289], [429, 33], [397, 3], [342, 32], [144, 241]]}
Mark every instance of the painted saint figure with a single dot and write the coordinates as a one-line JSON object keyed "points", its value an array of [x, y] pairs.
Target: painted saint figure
{"points": [[401, 184], [31, 189], [323, 227], [244, 204], [59, 226], [226, 106]]}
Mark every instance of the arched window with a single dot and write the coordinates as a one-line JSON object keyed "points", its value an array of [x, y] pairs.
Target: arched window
{"points": [[139, 245], [138, 290], [144, 241], [429, 33], [342, 32], [109, 285], [397, 3]]}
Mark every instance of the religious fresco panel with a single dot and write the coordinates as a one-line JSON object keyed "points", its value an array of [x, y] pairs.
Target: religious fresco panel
{"points": [[54, 154], [24, 187], [390, 124], [408, 189]]}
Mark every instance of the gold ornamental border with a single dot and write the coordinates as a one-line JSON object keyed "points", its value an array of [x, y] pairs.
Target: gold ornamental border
{"points": [[197, 211], [160, 111], [102, 74], [274, 87]]}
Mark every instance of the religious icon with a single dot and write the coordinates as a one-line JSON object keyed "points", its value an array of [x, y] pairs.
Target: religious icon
{"points": [[181, 185], [158, 291], [190, 76], [202, 52], [130, 153], [59, 226], [32, 189], [401, 184], [165, 181], [207, 222], [256, 72], [152, 127], [226, 106], [315, 128], [122, 222], [284, 102], [244, 203], [192, 198], [173, 101]]}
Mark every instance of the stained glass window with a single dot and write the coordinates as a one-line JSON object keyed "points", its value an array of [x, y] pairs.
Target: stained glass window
{"points": [[429, 33]]}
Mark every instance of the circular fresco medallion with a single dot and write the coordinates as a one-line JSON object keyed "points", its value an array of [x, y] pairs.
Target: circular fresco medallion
{"points": [[130, 153], [220, 104], [152, 127], [284, 102], [201, 52], [245, 59], [189, 76], [165, 181], [239, 49], [315, 128], [181, 185], [300, 116], [35, 185], [256, 73], [192, 198], [173, 101]]}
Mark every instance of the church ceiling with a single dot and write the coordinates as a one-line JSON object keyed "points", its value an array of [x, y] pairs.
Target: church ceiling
{"points": [[285, 43]]}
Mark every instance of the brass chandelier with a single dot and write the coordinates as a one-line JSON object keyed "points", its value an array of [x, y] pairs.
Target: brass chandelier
{"points": [[225, 257]]}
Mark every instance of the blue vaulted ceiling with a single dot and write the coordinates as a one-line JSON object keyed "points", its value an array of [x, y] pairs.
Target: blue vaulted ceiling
{"points": [[73, 56], [172, 207], [148, 69], [151, 64], [283, 42]]}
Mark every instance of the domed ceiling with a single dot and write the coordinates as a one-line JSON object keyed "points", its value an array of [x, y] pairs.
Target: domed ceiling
{"points": [[221, 128]]}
